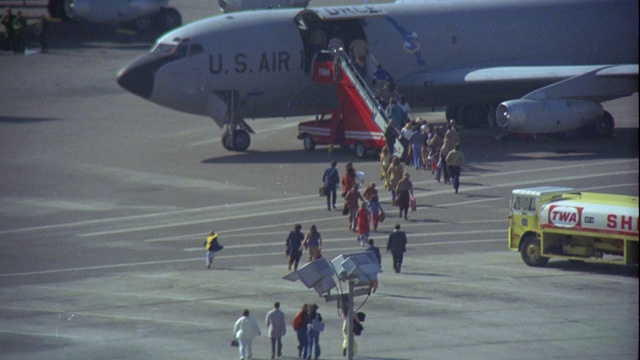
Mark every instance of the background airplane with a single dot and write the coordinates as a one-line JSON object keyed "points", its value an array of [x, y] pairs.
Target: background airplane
{"points": [[138, 14], [530, 66]]}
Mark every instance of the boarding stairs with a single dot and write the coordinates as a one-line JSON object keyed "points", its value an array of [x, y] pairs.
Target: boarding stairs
{"points": [[354, 91]]}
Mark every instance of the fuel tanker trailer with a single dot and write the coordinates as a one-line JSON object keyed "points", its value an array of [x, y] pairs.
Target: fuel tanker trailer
{"points": [[558, 222]]}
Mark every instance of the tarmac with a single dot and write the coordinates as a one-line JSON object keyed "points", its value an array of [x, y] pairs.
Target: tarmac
{"points": [[105, 201]]}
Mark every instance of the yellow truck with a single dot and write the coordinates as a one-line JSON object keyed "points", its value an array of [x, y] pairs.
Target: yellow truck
{"points": [[560, 222]]}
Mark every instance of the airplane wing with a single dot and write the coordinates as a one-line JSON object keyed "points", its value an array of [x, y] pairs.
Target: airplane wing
{"points": [[589, 82]]}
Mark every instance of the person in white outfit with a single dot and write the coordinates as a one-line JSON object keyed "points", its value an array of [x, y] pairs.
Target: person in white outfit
{"points": [[245, 329]]}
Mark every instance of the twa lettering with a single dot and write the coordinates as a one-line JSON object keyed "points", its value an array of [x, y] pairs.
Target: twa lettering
{"points": [[565, 216]]}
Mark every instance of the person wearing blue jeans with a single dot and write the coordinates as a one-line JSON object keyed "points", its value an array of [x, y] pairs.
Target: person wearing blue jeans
{"points": [[313, 333]]}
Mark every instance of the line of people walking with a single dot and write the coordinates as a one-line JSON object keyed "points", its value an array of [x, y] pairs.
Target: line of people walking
{"points": [[307, 324]]}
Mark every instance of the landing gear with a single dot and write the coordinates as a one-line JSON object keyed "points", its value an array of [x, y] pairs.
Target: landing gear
{"points": [[236, 140], [472, 116], [603, 128], [235, 136]]}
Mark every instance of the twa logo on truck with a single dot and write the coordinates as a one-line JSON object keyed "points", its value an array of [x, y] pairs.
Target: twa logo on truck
{"points": [[565, 216]]}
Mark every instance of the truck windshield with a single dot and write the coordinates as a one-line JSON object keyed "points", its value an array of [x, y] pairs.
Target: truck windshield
{"points": [[524, 203]]}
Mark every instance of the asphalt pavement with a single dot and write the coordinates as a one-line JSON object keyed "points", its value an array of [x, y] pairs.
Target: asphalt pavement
{"points": [[105, 201]]}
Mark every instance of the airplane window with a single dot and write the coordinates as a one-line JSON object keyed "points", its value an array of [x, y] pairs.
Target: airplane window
{"points": [[164, 49], [183, 50]]}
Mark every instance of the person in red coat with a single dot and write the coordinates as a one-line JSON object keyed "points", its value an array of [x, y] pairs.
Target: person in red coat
{"points": [[363, 224]]}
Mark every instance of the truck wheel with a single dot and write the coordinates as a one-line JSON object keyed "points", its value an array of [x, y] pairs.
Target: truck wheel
{"points": [[308, 143], [361, 151], [531, 252]]}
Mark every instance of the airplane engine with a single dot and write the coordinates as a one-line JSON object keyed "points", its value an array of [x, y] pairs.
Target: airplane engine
{"points": [[548, 116], [61, 9], [228, 6]]}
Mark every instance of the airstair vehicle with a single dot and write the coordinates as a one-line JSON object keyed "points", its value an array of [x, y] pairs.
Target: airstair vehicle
{"points": [[359, 121]]}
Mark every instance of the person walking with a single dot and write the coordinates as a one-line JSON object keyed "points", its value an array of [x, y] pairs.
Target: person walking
{"points": [[245, 330], [313, 243], [404, 191], [20, 28], [447, 146], [397, 244], [417, 139], [293, 246], [348, 179], [455, 160], [43, 33], [376, 251], [277, 328], [434, 144], [213, 246], [363, 224], [315, 326], [390, 136], [300, 327], [8, 20], [385, 159], [394, 172], [351, 200], [376, 211], [330, 179]]}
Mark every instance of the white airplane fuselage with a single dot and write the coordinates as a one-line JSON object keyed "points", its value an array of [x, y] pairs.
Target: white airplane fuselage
{"points": [[440, 54]]}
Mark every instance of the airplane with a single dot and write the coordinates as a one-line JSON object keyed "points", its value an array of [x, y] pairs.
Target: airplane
{"points": [[139, 14], [228, 6], [527, 66]]}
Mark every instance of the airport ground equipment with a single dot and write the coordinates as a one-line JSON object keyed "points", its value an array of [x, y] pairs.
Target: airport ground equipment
{"points": [[560, 222], [358, 122]]}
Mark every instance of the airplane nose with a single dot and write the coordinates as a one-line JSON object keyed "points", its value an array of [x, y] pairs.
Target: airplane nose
{"points": [[138, 77]]}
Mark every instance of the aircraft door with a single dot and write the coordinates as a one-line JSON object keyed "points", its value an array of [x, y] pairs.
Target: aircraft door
{"points": [[329, 34]]}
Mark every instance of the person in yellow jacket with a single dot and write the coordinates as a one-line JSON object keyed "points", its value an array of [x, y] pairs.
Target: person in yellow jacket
{"points": [[212, 245], [455, 160]]}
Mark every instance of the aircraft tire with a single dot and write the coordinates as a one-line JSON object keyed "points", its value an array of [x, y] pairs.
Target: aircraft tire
{"points": [[308, 142], [603, 128], [223, 139], [241, 140], [531, 252], [168, 19]]}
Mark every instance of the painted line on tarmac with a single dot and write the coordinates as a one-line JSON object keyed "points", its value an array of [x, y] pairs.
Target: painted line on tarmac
{"points": [[234, 234], [353, 238], [200, 258], [307, 197]]}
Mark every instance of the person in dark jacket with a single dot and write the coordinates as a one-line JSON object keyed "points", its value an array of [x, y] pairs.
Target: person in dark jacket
{"points": [[294, 246], [331, 179], [397, 244]]}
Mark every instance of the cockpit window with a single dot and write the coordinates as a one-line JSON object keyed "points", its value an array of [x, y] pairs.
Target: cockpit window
{"points": [[181, 50], [196, 49], [164, 49]]}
